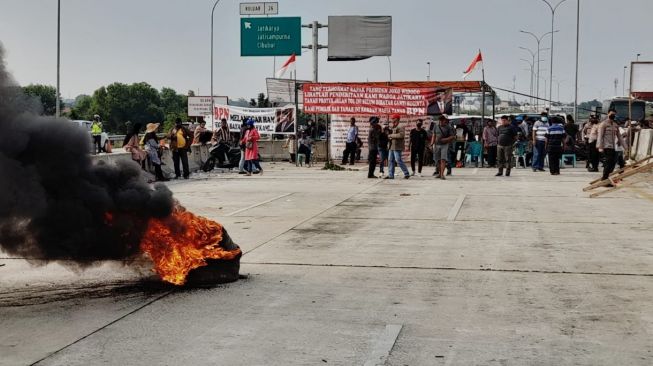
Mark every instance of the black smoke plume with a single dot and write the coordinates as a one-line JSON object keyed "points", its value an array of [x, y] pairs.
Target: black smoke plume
{"points": [[55, 204]]}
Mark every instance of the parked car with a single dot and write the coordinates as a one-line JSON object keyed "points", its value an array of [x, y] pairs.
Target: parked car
{"points": [[86, 125]]}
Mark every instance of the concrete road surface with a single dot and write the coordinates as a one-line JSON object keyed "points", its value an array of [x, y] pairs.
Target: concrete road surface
{"points": [[344, 270]]}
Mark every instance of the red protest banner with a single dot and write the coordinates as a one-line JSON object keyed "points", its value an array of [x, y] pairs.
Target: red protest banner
{"points": [[367, 99]]}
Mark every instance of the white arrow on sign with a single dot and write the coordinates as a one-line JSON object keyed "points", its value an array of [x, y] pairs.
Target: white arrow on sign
{"points": [[248, 25]]}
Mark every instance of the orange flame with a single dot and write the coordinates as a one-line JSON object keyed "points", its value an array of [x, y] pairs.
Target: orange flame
{"points": [[181, 242]]}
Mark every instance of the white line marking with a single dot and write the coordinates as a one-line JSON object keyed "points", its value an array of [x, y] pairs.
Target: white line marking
{"points": [[258, 204], [456, 208], [384, 345]]}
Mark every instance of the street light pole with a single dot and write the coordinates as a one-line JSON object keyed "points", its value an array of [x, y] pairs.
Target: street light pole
{"points": [[553, 11], [537, 81], [58, 92], [637, 59], [577, 47], [428, 76], [212, 101], [531, 85], [623, 82]]}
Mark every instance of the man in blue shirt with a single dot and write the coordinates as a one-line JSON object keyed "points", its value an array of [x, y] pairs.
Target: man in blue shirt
{"points": [[555, 137], [350, 146]]}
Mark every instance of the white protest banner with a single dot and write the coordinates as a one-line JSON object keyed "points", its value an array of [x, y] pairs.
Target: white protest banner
{"points": [[340, 125], [280, 120]]}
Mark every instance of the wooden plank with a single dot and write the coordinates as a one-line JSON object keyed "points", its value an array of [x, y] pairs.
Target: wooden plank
{"points": [[630, 166], [618, 186]]}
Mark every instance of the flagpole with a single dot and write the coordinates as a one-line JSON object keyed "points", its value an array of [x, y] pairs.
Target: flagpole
{"points": [[482, 103]]}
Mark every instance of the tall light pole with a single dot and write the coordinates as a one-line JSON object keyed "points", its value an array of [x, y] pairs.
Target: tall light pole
{"points": [[531, 85], [623, 82], [212, 101], [58, 92], [428, 76], [553, 12], [577, 47], [537, 81], [637, 59]]}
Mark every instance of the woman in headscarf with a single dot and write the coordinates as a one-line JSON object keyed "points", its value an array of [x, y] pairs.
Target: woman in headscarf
{"points": [[152, 148], [251, 148], [132, 145]]}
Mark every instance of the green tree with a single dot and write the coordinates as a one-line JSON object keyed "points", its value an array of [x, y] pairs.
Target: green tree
{"points": [[174, 106], [260, 102], [46, 95]]}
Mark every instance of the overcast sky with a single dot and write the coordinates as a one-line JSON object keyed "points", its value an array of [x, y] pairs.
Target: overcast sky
{"points": [[166, 43]]}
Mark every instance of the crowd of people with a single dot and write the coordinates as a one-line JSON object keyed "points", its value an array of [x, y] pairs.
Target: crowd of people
{"points": [[179, 140], [527, 140]]}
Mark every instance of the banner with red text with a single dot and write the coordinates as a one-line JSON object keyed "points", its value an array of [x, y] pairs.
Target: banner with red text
{"points": [[368, 99]]}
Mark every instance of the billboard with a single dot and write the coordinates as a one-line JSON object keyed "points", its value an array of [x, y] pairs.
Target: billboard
{"points": [[641, 79], [359, 37], [374, 99], [201, 106], [283, 90]]}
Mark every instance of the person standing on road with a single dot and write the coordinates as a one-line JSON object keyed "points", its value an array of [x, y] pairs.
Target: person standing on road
{"points": [[396, 137], [507, 137], [251, 148], [462, 135], [592, 135], [417, 145], [384, 143], [443, 136], [241, 164], [571, 128], [180, 140], [373, 145], [292, 148], [350, 146], [607, 140], [540, 128], [490, 140], [153, 149], [555, 138], [305, 146], [96, 133]]}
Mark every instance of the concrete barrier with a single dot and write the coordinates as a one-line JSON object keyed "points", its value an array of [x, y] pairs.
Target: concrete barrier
{"points": [[642, 144], [269, 151]]}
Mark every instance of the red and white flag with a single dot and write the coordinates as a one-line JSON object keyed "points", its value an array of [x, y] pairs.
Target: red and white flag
{"points": [[472, 66], [288, 65]]}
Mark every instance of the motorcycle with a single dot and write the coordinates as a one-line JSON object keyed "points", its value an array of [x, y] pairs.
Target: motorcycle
{"points": [[231, 158]]}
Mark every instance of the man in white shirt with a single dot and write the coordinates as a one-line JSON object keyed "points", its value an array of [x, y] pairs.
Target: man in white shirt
{"points": [[540, 129]]}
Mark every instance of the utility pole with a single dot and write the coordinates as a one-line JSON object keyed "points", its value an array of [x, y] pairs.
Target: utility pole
{"points": [[577, 46], [315, 46], [58, 92], [623, 82], [212, 101]]}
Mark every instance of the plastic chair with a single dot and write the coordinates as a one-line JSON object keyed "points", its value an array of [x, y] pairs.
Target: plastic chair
{"points": [[475, 151], [568, 156], [520, 152]]}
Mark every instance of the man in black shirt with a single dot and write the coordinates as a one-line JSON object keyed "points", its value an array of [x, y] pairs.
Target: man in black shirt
{"points": [[507, 137], [373, 145], [417, 144]]}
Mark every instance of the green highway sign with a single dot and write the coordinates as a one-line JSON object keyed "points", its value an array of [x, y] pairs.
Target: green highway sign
{"points": [[274, 36]]}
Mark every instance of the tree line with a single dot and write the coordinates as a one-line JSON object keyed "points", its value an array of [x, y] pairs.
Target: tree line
{"points": [[118, 104]]}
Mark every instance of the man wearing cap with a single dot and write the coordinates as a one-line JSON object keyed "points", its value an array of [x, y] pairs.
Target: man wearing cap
{"points": [[373, 145], [180, 140], [350, 147], [396, 137], [443, 136]]}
